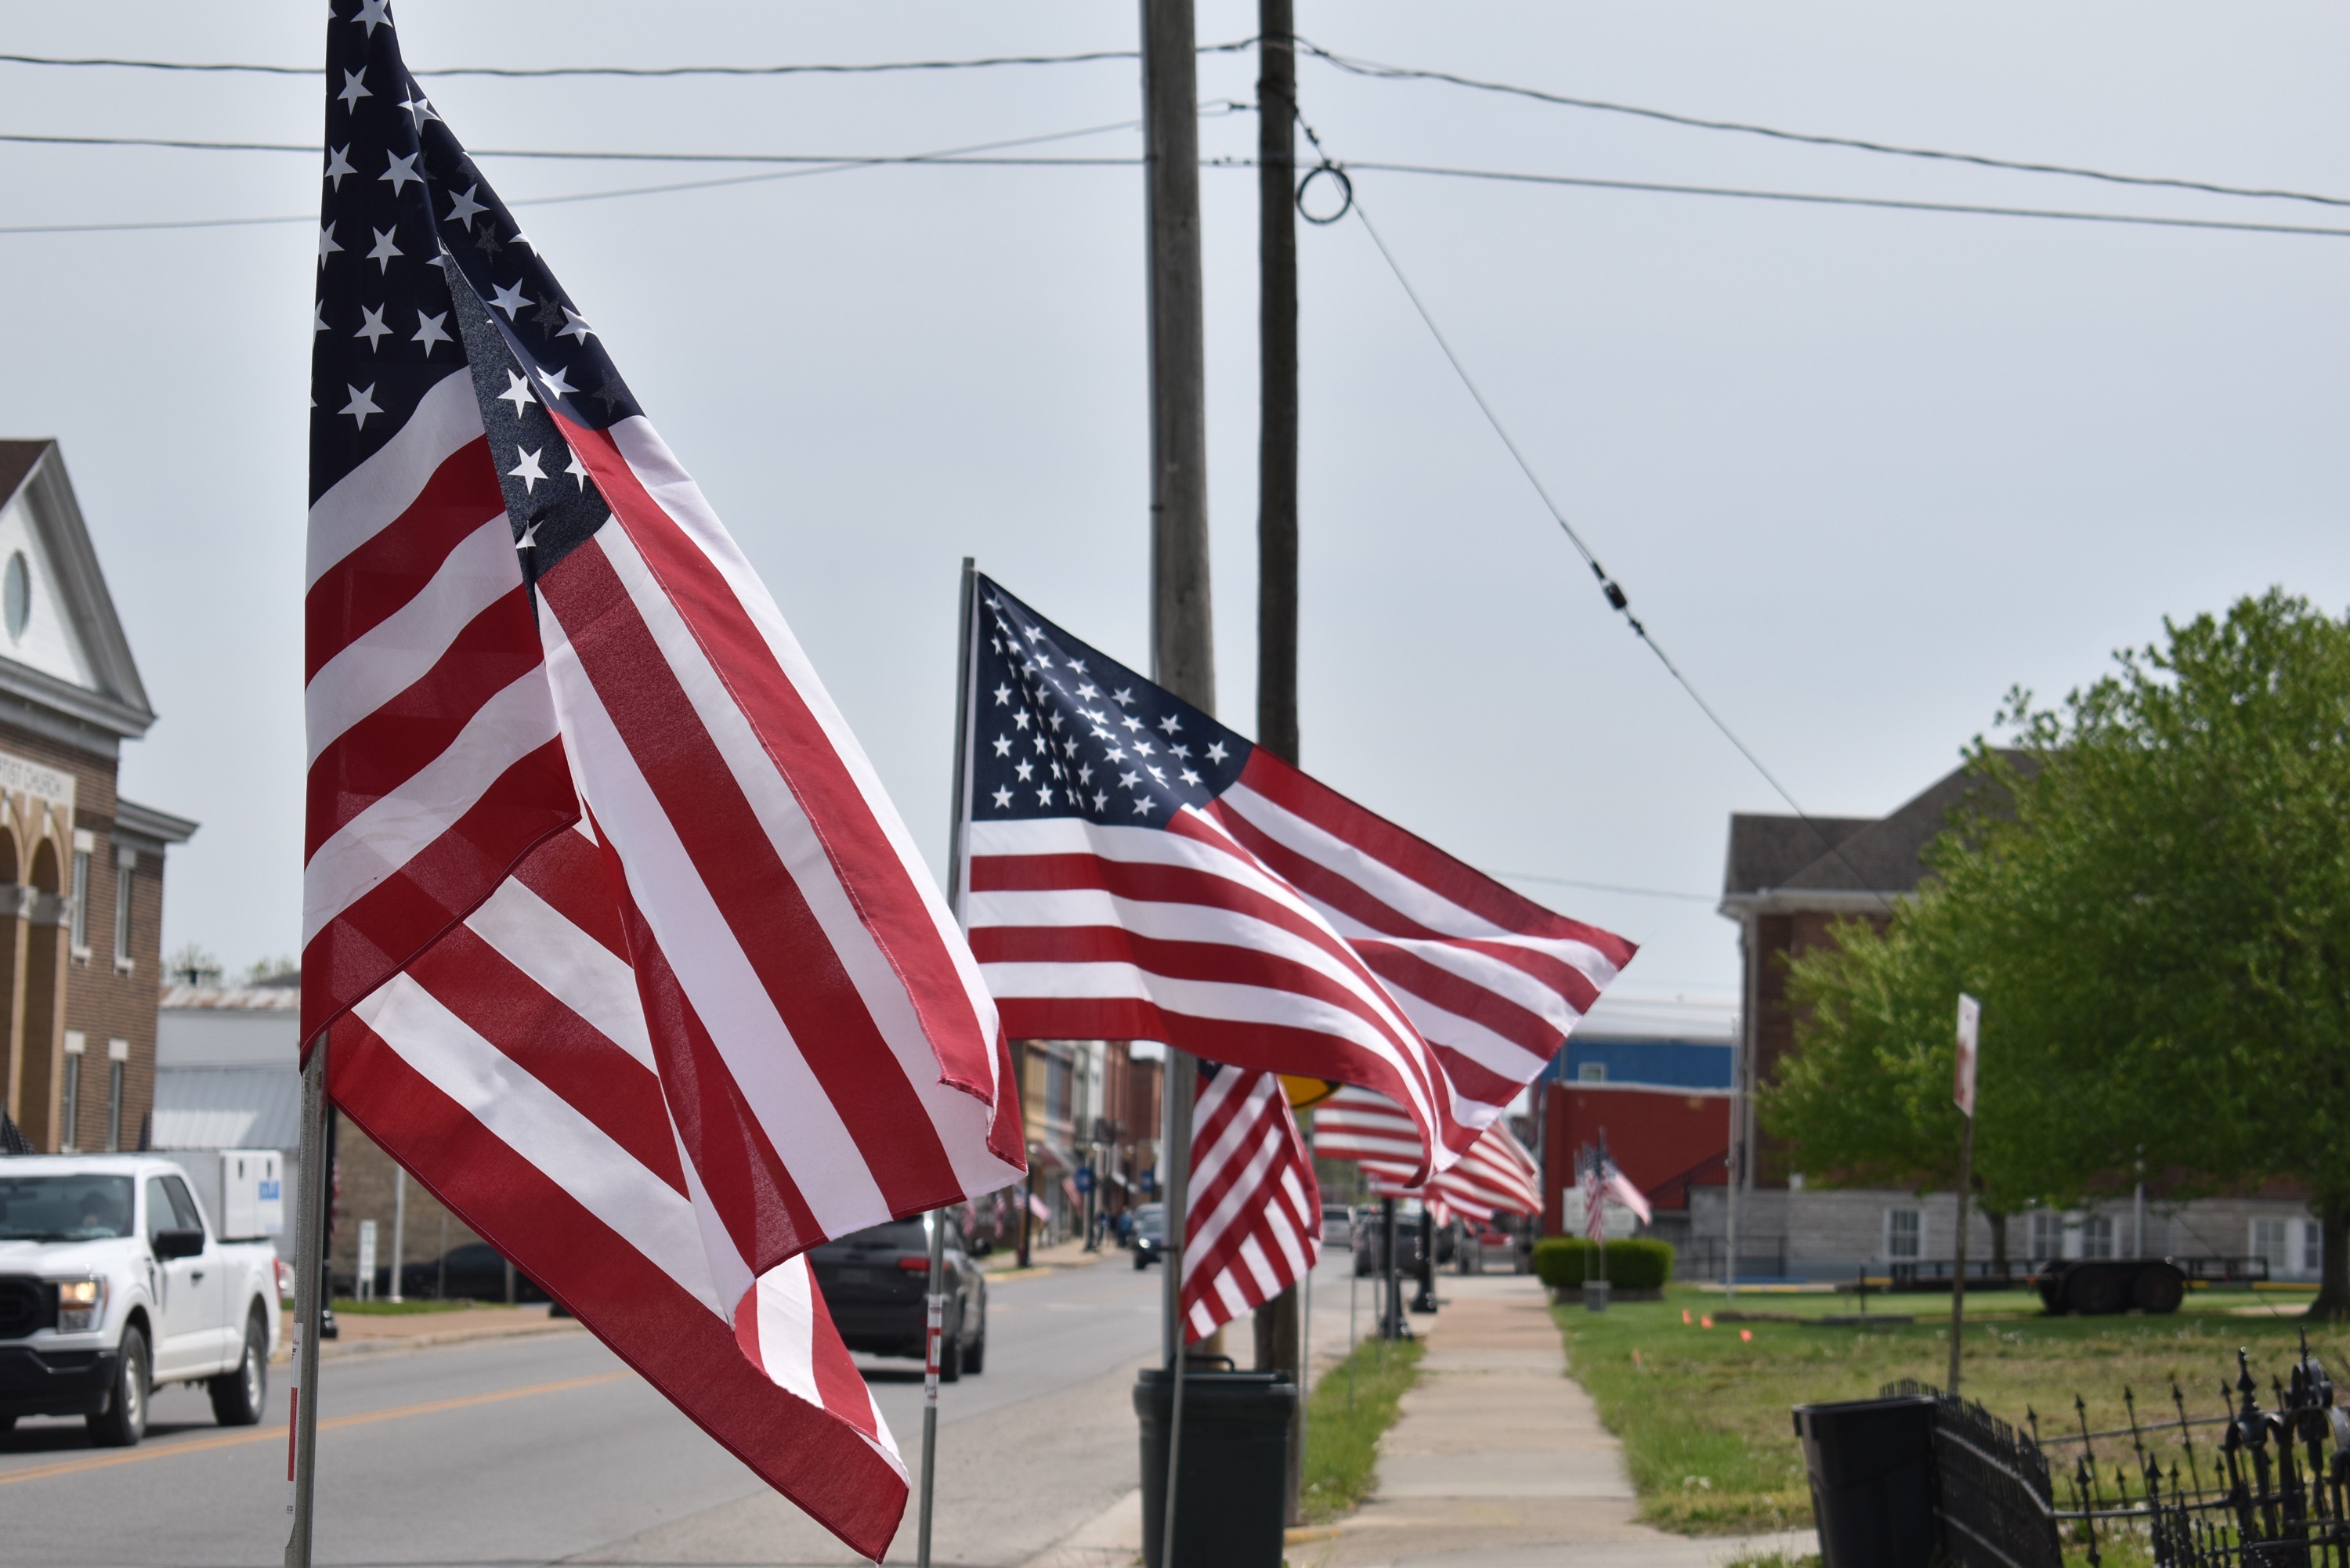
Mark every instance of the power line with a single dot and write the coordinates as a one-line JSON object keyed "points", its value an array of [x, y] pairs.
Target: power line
{"points": [[1373, 68], [1617, 600], [1604, 886], [876, 67]]}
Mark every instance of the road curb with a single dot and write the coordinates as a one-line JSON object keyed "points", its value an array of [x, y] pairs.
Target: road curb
{"points": [[338, 1349]]}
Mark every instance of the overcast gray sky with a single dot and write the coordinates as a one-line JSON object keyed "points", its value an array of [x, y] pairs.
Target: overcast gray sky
{"points": [[1861, 471]]}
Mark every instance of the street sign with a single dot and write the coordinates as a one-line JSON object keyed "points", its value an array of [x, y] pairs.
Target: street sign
{"points": [[1084, 1178], [366, 1260], [1962, 1090]]}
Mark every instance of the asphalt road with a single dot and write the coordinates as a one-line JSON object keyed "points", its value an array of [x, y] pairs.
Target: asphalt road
{"points": [[546, 1449]]}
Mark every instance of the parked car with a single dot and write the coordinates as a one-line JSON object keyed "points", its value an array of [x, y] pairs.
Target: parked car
{"points": [[1149, 1235], [113, 1281], [875, 1280], [474, 1272], [1337, 1225]]}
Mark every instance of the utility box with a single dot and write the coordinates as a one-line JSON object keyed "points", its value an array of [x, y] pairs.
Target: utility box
{"points": [[252, 1193]]}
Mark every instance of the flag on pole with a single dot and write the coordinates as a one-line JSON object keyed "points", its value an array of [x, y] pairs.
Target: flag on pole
{"points": [[1140, 871], [626, 955], [1254, 1223], [1497, 1176], [1962, 1089]]}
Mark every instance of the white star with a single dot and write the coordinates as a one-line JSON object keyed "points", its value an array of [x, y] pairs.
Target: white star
{"points": [[517, 393], [1128, 781], [421, 106], [1041, 748], [372, 327], [1101, 800], [529, 540], [576, 325], [1003, 695], [509, 298], [1117, 756], [338, 165], [463, 207], [1025, 770], [1003, 799], [994, 603], [327, 245], [1216, 752], [1170, 723], [1044, 794], [1086, 773], [576, 472], [1122, 698], [401, 171], [556, 382], [1070, 747], [1054, 720], [1087, 693], [361, 405], [1180, 750], [1142, 748], [519, 237], [1036, 634], [1142, 806], [321, 308], [430, 330], [371, 13], [1131, 722], [1190, 777], [354, 90], [1020, 720], [1078, 665], [527, 469], [384, 249], [1003, 745], [1043, 662]]}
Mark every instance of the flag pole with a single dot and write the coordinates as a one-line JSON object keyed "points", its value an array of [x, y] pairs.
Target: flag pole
{"points": [[1182, 1089], [935, 1302], [309, 1307], [1962, 1094]]}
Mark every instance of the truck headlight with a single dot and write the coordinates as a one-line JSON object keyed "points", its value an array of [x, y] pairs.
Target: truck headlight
{"points": [[80, 1305]]}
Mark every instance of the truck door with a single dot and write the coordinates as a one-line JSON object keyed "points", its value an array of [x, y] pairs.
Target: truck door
{"points": [[190, 1290]]}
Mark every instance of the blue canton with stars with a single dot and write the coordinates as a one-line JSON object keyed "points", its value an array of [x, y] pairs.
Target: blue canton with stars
{"points": [[1060, 728], [423, 272]]}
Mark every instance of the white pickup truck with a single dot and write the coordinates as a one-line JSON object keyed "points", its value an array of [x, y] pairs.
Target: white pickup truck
{"points": [[112, 1282]]}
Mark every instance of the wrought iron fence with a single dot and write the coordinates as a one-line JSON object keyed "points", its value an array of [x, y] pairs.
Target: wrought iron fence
{"points": [[1993, 1494]]}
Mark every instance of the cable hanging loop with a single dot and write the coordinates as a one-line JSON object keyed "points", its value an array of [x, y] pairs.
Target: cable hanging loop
{"points": [[1346, 193]]}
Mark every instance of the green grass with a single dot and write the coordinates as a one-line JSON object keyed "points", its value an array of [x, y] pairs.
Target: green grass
{"points": [[1703, 1414], [1352, 1406], [349, 1307]]}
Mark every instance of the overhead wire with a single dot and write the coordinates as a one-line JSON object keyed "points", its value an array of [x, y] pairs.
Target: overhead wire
{"points": [[1604, 887], [876, 67], [1373, 68]]}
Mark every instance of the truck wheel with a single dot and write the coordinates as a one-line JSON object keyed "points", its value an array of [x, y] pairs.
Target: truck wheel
{"points": [[974, 1360], [240, 1396], [124, 1420], [950, 1355], [2158, 1289], [2096, 1291]]}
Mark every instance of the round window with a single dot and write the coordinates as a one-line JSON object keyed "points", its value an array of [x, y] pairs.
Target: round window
{"points": [[16, 594]]}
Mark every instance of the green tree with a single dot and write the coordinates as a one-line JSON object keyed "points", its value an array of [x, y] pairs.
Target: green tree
{"points": [[2157, 917]]}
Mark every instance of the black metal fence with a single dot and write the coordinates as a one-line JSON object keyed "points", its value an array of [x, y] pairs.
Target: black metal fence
{"points": [[2244, 1487]]}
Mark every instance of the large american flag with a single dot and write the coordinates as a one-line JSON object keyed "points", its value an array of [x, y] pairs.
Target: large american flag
{"points": [[1140, 871], [625, 953], [1497, 1176], [1253, 1213]]}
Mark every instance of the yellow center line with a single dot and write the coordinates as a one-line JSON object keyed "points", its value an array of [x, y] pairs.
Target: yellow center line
{"points": [[278, 1434]]}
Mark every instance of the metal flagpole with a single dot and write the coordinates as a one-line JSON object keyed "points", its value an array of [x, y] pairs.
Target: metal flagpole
{"points": [[1962, 1094], [309, 1308], [937, 1300], [1182, 1089]]}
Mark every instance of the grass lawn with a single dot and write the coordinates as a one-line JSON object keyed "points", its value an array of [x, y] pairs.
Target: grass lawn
{"points": [[1703, 1413], [352, 1308], [1352, 1406]]}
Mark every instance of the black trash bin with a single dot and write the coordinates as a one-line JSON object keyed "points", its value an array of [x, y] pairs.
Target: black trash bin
{"points": [[1229, 1499], [1871, 1464]]}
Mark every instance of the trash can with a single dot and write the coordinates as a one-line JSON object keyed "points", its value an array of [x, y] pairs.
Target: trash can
{"points": [[1229, 1500], [1871, 1463]]}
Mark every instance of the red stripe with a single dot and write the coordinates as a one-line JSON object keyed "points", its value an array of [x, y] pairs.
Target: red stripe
{"points": [[553, 1045], [359, 592], [568, 871], [753, 890], [1406, 971], [675, 1342], [1475, 1080], [1418, 859], [862, 855], [398, 918], [400, 738]]}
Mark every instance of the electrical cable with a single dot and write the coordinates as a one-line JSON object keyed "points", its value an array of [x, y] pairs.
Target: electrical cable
{"points": [[1602, 886], [1617, 600], [1376, 70], [873, 69]]}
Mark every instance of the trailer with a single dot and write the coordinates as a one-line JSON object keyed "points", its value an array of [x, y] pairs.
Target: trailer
{"points": [[2096, 1287]]}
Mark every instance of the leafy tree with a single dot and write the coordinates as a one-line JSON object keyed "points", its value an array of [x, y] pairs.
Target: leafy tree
{"points": [[2158, 921]]}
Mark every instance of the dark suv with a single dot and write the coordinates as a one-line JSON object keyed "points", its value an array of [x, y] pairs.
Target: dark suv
{"points": [[874, 1282]]}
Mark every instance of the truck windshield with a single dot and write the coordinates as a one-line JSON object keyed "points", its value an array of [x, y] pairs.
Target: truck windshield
{"points": [[64, 1207]]}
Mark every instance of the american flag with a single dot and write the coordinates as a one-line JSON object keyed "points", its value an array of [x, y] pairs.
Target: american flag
{"points": [[1604, 1183], [625, 953], [1139, 871], [1497, 1176], [1253, 1218]]}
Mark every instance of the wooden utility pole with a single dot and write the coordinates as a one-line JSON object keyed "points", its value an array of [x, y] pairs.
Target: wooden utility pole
{"points": [[1279, 1324], [1182, 650]]}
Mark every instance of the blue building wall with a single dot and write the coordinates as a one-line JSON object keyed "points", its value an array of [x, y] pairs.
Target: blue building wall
{"points": [[1661, 1064]]}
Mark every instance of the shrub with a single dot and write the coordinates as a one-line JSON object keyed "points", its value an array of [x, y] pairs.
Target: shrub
{"points": [[1638, 1264]]}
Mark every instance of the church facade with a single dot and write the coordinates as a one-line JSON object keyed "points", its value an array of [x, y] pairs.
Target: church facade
{"points": [[81, 869]]}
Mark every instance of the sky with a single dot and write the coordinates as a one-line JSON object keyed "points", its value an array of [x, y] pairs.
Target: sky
{"points": [[1862, 472]]}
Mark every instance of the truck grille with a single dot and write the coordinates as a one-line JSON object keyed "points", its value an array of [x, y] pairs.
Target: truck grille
{"points": [[25, 1305]]}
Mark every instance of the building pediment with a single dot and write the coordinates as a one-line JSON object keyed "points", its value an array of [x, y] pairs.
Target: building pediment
{"points": [[61, 645]]}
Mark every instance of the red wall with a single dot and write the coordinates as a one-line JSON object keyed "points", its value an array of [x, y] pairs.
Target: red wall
{"points": [[1653, 1136]]}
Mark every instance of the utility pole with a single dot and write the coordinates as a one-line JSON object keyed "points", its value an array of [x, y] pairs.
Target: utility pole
{"points": [[1182, 653], [1280, 1322]]}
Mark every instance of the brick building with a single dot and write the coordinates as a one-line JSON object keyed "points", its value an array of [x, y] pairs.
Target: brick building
{"points": [[81, 870]]}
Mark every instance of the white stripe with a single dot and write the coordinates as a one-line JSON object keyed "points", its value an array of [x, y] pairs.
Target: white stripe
{"points": [[401, 649], [799, 1118], [382, 839], [962, 1121], [674, 491], [371, 497], [542, 1127], [788, 1330], [568, 964], [1495, 1053], [1505, 982]]}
